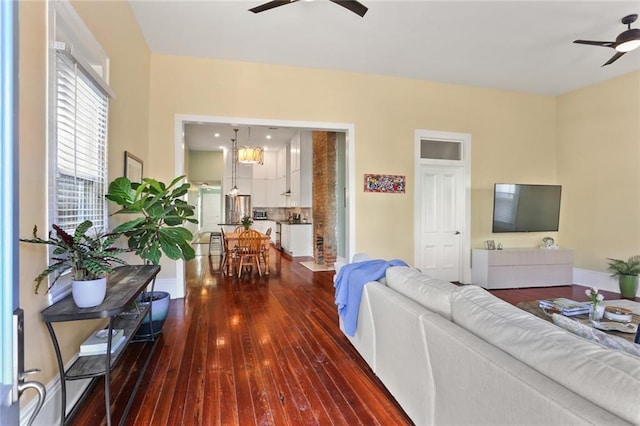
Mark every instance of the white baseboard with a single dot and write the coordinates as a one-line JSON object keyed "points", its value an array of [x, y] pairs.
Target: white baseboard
{"points": [[599, 280], [50, 413]]}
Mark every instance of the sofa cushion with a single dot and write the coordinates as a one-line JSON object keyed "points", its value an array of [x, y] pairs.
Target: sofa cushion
{"points": [[590, 333], [582, 366], [432, 293]]}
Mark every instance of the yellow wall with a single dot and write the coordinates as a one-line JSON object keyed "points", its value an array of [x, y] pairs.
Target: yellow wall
{"points": [[513, 134], [205, 166], [516, 138], [599, 168], [128, 117]]}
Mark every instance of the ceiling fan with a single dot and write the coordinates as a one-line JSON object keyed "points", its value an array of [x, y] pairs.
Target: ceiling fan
{"points": [[625, 42], [353, 5]]}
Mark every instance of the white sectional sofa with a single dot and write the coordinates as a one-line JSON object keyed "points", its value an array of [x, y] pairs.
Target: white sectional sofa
{"points": [[457, 355]]}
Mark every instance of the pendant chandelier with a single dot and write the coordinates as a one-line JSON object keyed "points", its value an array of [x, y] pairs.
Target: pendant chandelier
{"points": [[234, 165], [250, 154]]}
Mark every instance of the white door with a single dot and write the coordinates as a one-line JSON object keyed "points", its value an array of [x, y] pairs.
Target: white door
{"points": [[210, 210], [441, 222], [442, 201]]}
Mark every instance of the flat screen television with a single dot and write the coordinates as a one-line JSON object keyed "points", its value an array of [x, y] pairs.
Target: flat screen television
{"points": [[526, 208]]}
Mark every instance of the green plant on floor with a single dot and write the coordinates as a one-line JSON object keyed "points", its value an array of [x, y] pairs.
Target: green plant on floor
{"points": [[627, 273], [89, 255], [620, 267], [162, 212]]}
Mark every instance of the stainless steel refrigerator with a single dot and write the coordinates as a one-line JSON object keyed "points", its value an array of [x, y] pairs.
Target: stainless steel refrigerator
{"points": [[236, 207]]}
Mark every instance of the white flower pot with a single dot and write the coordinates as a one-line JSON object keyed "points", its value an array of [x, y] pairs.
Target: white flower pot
{"points": [[87, 294]]}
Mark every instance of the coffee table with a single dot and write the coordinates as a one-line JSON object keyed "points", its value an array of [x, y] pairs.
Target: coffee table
{"points": [[533, 308]]}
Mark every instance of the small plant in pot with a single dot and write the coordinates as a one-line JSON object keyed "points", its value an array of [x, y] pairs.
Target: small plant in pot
{"points": [[627, 273], [246, 222], [89, 257], [156, 230]]}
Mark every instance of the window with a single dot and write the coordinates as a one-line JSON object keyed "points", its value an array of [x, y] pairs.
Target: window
{"points": [[77, 140], [81, 141]]}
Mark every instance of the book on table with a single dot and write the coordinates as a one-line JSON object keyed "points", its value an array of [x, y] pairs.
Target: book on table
{"points": [[565, 306], [96, 344]]}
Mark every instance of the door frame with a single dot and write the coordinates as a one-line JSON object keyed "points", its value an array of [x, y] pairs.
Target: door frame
{"points": [[9, 290], [350, 135], [465, 163]]}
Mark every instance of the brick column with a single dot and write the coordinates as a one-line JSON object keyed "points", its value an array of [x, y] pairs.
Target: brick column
{"points": [[324, 198]]}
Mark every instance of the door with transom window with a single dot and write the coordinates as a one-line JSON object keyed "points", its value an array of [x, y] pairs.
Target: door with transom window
{"points": [[442, 213]]}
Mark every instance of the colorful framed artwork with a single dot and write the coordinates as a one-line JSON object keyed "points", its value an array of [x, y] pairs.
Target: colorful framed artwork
{"points": [[384, 183], [132, 167]]}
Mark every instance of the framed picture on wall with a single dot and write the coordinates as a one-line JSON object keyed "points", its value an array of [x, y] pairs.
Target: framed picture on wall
{"points": [[132, 167], [384, 183]]}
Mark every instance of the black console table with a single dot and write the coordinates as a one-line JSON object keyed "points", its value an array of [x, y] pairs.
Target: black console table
{"points": [[122, 289]]}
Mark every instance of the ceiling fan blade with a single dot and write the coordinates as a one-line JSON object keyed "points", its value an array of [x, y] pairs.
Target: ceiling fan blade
{"points": [[271, 5], [596, 43], [614, 58], [353, 5]]}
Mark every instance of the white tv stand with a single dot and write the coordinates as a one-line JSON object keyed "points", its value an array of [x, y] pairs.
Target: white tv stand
{"points": [[521, 267]]}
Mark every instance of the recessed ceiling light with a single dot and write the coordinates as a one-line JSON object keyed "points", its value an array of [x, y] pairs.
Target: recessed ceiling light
{"points": [[268, 136], [216, 135]]}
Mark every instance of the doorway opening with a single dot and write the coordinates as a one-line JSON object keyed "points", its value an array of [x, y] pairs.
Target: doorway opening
{"points": [[345, 214]]}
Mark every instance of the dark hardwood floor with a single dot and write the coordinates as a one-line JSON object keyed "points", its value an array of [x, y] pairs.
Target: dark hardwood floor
{"points": [[263, 351]]}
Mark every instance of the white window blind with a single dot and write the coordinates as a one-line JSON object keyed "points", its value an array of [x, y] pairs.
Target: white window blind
{"points": [[81, 146], [78, 86]]}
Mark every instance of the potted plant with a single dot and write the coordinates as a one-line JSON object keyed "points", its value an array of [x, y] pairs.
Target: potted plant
{"points": [[627, 273], [157, 230], [246, 222], [89, 257]]}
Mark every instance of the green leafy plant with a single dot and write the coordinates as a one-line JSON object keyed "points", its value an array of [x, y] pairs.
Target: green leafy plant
{"points": [[89, 257], [246, 222], [619, 267], [163, 212]]}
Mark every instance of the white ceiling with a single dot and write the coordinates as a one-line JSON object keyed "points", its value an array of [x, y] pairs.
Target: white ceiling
{"points": [[522, 46], [213, 137]]}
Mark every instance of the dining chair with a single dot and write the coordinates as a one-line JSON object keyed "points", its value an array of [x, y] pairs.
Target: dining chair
{"points": [[264, 248], [226, 253], [249, 243], [238, 229]]}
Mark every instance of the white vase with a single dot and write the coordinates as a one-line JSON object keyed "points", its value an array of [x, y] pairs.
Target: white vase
{"points": [[87, 294]]}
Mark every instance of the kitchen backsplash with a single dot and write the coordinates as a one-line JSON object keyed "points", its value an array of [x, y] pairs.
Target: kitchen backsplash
{"points": [[282, 213]]}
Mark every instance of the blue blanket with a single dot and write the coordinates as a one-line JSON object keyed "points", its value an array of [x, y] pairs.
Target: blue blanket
{"points": [[349, 284]]}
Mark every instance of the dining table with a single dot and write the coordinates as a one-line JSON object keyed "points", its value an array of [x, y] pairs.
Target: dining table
{"points": [[232, 242]]}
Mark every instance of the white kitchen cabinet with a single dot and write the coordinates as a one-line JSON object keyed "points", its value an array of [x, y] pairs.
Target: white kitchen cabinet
{"points": [[297, 240], [259, 193], [515, 268], [285, 237], [301, 179], [264, 186], [282, 164], [294, 199], [263, 226], [268, 170], [301, 240], [294, 152]]}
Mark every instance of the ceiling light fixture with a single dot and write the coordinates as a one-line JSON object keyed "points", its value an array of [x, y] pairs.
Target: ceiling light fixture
{"points": [[234, 165], [251, 154], [632, 43]]}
